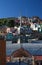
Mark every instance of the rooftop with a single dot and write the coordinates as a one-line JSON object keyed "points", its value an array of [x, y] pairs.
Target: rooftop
{"points": [[34, 49]]}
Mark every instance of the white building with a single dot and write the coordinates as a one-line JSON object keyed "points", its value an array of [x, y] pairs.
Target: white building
{"points": [[35, 27]]}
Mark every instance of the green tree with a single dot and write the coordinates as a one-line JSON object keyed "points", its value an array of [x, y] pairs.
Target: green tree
{"points": [[1, 23], [11, 23], [5, 22]]}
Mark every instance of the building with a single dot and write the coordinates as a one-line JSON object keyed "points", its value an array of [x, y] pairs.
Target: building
{"points": [[8, 58], [3, 30], [27, 53], [38, 60], [2, 52]]}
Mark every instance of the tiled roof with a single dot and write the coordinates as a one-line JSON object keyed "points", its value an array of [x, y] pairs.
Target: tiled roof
{"points": [[34, 49], [39, 58]]}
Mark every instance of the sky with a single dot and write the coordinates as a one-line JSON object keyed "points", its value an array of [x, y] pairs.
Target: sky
{"points": [[16, 8]]}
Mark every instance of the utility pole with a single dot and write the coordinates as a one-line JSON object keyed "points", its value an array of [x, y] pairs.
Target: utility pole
{"points": [[20, 18]]}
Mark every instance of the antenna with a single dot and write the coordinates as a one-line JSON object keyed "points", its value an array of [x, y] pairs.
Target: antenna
{"points": [[20, 21]]}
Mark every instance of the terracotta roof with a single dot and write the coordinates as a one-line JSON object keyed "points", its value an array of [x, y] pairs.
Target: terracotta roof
{"points": [[38, 58], [21, 52]]}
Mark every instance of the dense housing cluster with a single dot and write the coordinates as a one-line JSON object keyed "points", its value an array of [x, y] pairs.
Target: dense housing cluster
{"points": [[21, 29]]}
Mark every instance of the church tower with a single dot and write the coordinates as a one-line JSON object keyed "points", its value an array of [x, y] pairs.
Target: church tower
{"points": [[2, 51]]}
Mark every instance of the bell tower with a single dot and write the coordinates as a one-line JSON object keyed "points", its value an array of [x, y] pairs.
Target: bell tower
{"points": [[2, 51]]}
